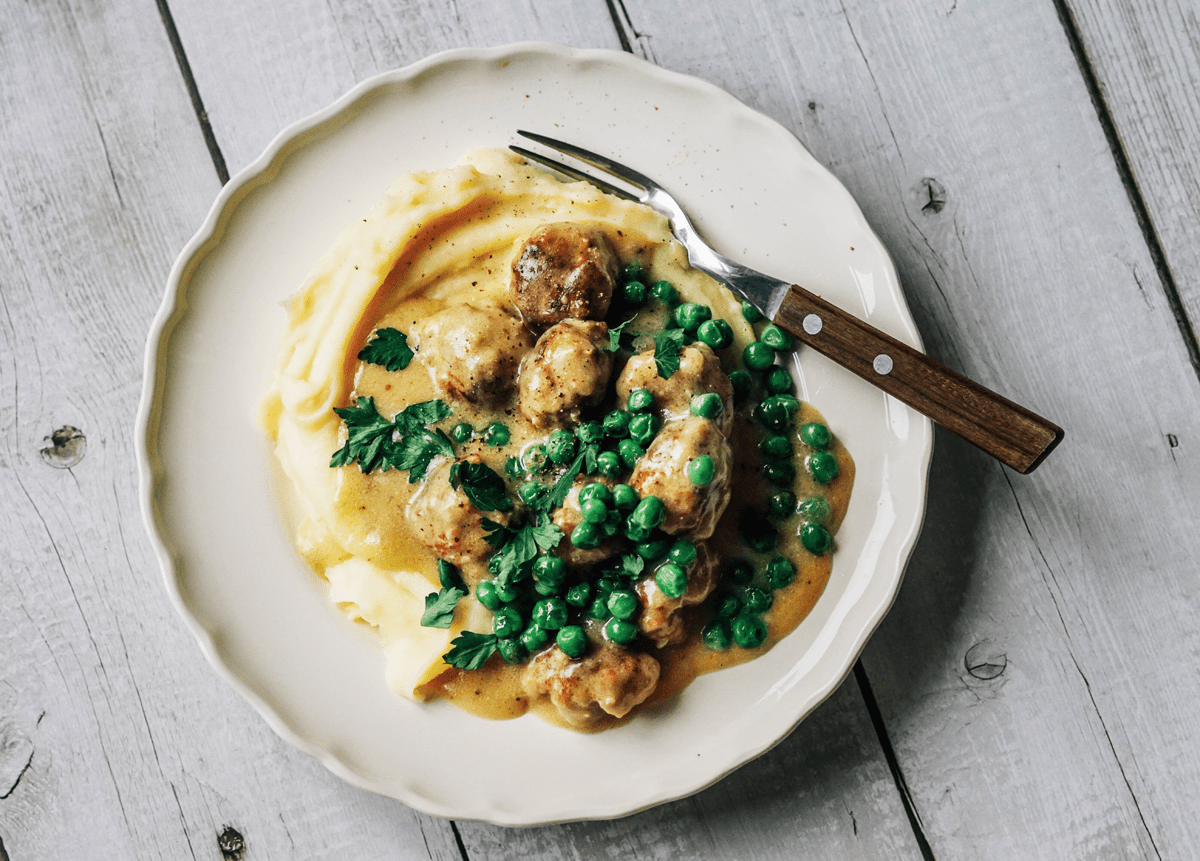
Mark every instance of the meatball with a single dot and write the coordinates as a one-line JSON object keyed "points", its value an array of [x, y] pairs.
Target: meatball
{"points": [[450, 525], [699, 373], [564, 270], [566, 372], [662, 472], [660, 619], [569, 516], [473, 352], [610, 680]]}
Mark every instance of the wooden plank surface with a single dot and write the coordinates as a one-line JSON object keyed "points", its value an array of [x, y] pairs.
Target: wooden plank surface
{"points": [[1034, 675]]}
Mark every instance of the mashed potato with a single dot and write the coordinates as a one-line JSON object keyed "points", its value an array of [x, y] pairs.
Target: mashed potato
{"points": [[449, 240]]}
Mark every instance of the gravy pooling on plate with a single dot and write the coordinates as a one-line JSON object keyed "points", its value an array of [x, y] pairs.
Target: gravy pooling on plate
{"points": [[531, 454]]}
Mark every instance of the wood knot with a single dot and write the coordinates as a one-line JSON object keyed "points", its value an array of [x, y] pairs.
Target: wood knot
{"points": [[67, 447], [232, 844], [985, 661], [931, 195]]}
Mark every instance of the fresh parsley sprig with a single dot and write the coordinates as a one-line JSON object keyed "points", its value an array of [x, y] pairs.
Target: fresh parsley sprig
{"points": [[482, 485], [389, 348], [404, 442], [470, 651], [516, 548], [439, 607], [667, 346]]}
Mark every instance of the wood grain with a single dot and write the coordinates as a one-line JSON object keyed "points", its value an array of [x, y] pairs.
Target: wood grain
{"points": [[966, 132]]}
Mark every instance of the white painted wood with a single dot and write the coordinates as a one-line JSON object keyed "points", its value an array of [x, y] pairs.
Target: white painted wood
{"points": [[1146, 58], [1031, 276], [116, 738]]}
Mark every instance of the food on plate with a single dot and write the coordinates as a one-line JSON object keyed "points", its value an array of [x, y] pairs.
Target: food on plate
{"points": [[555, 467]]}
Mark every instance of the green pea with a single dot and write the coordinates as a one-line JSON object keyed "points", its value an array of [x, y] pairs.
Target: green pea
{"points": [[740, 571], [749, 631], [636, 533], [716, 333], [815, 435], [701, 470], [507, 622], [586, 536], [616, 424], [580, 595], [815, 538], [608, 464], [531, 492], [823, 467], [776, 447], [550, 614], [716, 635], [728, 606], [671, 579], [513, 468], [707, 406], [816, 509], [649, 512], [598, 609], [550, 570], [509, 591], [690, 315], [776, 411], [561, 447], [620, 631], [534, 458], [682, 552], [485, 593], [623, 603], [665, 293], [758, 356], [511, 649], [775, 338], [612, 523], [751, 313], [535, 637], [572, 641], [496, 434], [625, 498], [653, 549], [605, 586], [780, 572], [639, 401], [778, 380], [595, 490], [643, 428], [590, 432], [783, 504], [629, 452], [780, 473], [632, 271], [741, 382], [756, 600], [634, 293], [594, 511], [462, 433]]}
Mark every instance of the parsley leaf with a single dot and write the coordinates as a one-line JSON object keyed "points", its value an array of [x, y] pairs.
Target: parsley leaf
{"points": [[614, 336], [470, 651], [667, 345], [545, 534], [415, 416], [450, 577], [439, 607], [591, 454], [632, 566], [482, 485], [389, 348], [369, 439], [517, 548], [554, 499], [416, 451]]}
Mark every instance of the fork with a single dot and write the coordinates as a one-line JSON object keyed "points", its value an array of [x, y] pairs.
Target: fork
{"points": [[1009, 432]]}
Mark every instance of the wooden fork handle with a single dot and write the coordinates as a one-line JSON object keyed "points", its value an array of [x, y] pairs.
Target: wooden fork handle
{"points": [[1009, 432]]}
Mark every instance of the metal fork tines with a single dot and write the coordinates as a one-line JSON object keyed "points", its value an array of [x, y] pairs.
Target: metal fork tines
{"points": [[762, 290]]}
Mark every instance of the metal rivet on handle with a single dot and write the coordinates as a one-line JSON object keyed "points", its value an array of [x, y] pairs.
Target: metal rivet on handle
{"points": [[882, 364], [812, 324]]}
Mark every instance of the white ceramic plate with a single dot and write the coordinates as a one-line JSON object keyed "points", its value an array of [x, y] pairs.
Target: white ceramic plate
{"points": [[207, 480]]}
